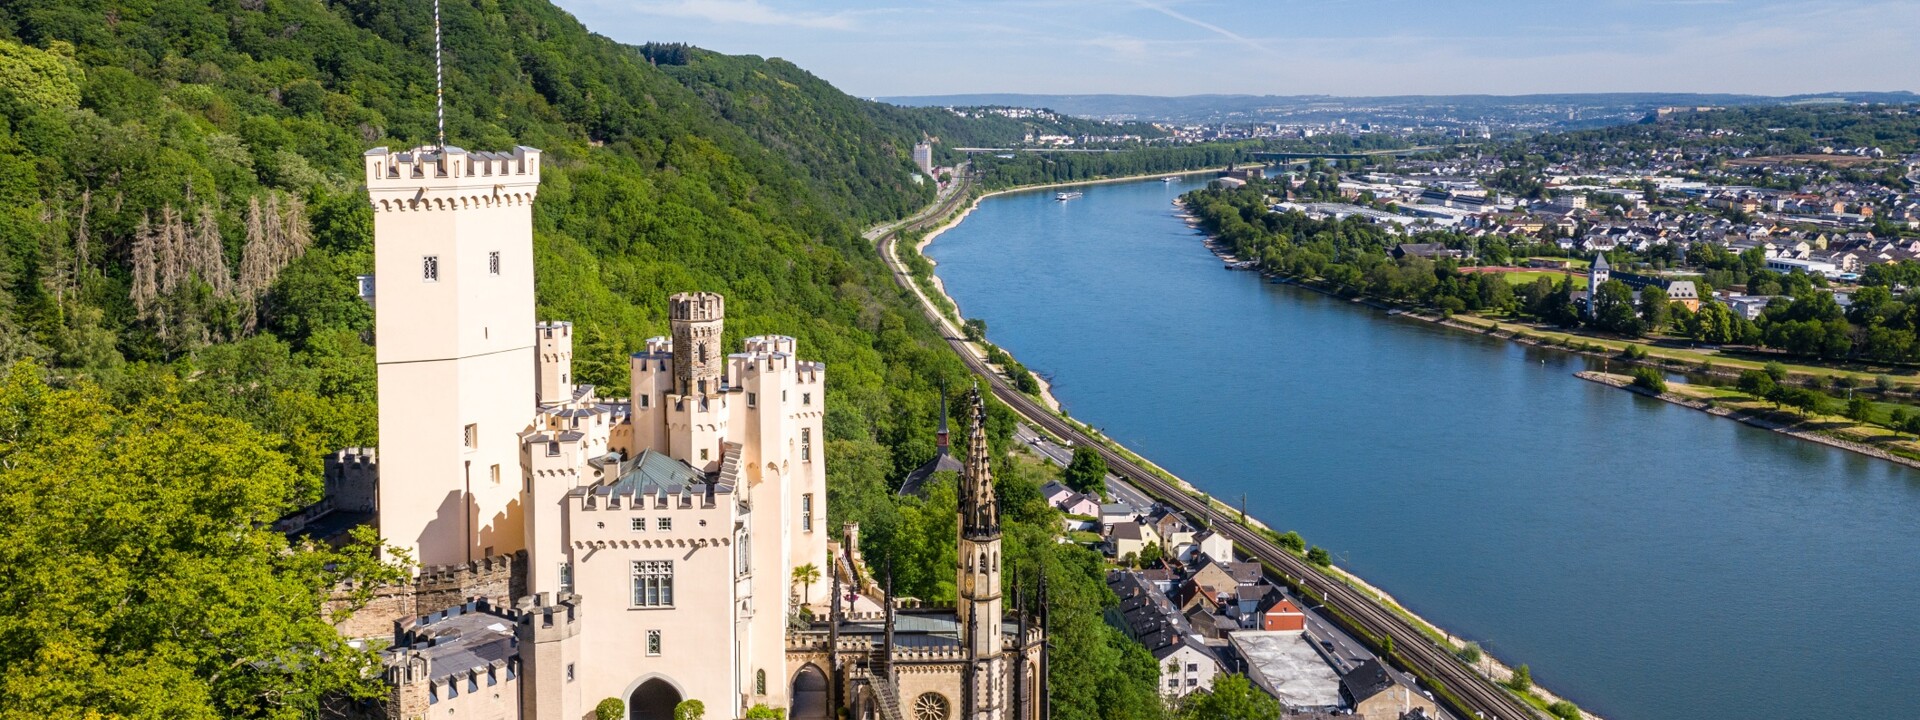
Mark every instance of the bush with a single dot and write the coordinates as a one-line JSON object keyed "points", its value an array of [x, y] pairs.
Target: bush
{"points": [[1775, 370], [1522, 679], [1634, 352], [1469, 653], [1883, 382], [1292, 541], [687, 710], [1564, 710], [610, 709], [1649, 379], [1319, 556], [762, 712]]}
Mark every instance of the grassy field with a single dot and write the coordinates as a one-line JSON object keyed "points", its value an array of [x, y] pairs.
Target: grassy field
{"points": [[1796, 371], [1833, 426], [1527, 277]]}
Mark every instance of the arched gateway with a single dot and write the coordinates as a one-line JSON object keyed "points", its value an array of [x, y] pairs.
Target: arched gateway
{"points": [[653, 700], [810, 695]]}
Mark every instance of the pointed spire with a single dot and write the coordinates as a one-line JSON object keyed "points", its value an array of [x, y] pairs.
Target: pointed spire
{"points": [[940, 438], [979, 509]]}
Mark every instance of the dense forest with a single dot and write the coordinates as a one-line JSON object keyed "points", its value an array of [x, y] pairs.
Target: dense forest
{"points": [[180, 223]]}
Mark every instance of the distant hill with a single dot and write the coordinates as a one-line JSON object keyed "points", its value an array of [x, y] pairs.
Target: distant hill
{"points": [[1202, 108]]}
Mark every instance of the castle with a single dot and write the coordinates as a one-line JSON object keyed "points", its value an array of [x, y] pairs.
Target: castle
{"points": [[652, 549]]}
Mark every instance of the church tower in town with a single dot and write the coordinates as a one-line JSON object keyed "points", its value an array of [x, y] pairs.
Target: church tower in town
{"points": [[979, 607]]}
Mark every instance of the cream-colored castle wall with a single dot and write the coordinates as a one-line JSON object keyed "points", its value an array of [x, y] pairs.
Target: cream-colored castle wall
{"points": [[554, 364], [697, 640], [452, 352]]}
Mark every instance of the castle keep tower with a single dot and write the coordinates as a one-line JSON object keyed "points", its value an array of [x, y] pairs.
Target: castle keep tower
{"points": [[453, 262], [979, 604], [696, 319]]}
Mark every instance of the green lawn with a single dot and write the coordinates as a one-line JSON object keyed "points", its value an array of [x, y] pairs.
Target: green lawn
{"points": [[1527, 277]]}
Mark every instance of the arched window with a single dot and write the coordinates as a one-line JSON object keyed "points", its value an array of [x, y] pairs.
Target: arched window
{"points": [[930, 706], [759, 682]]}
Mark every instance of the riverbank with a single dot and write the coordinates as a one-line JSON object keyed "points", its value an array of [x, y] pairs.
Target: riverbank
{"points": [[954, 219], [1706, 400], [1487, 665]]}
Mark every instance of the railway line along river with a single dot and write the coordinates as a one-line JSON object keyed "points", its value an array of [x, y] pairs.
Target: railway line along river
{"points": [[1647, 561]]}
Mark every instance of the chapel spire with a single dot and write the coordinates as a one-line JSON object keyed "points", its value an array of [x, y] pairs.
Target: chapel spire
{"points": [[979, 509]]}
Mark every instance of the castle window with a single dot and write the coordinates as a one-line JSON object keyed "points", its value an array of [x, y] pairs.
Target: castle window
{"points": [[703, 453], [746, 553], [806, 512], [665, 524], [653, 642], [653, 583], [553, 448], [752, 401], [472, 436], [569, 672], [430, 268], [806, 399], [806, 444], [930, 706], [759, 682], [495, 472], [566, 578], [639, 524], [645, 401], [493, 263]]}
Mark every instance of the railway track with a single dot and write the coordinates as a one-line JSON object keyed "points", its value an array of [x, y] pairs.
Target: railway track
{"points": [[1472, 694]]}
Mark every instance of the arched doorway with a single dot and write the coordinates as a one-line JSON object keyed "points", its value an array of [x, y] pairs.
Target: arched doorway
{"points": [[653, 700], [809, 700]]}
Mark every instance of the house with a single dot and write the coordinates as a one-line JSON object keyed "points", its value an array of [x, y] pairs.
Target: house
{"points": [[1172, 527], [1225, 575], [1186, 663], [1377, 693], [1211, 544], [1131, 538], [1277, 613], [1684, 292]]}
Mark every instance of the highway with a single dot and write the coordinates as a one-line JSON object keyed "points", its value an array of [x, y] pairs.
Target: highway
{"points": [[1445, 674]]}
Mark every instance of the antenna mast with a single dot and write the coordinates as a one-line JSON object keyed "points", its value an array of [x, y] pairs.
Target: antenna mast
{"points": [[439, 84]]}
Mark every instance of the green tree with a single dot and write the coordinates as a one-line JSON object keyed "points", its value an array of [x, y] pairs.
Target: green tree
{"points": [[1860, 409], [1564, 710], [1319, 556], [1151, 555], [1756, 383], [610, 709], [1776, 371], [1232, 697], [1655, 308], [1469, 653], [1522, 679], [1649, 379], [178, 600], [1614, 311], [1292, 541], [686, 710], [975, 329], [805, 576], [1087, 472]]}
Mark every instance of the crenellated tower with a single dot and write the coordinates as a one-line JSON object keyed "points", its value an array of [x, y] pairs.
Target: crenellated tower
{"points": [[979, 602], [697, 419], [453, 267]]}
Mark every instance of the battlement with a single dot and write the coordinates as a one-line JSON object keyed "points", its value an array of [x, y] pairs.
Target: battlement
{"points": [[770, 344], [537, 620], [553, 329], [352, 479], [451, 163], [696, 307]]}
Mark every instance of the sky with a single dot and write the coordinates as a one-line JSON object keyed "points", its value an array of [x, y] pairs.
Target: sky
{"points": [[1292, 47]]}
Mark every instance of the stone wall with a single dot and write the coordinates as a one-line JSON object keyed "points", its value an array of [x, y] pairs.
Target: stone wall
{"points": [[498, 579]]}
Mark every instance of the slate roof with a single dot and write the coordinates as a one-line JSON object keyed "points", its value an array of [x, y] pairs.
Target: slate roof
{"points": [[1368, 679], [916, 481]]}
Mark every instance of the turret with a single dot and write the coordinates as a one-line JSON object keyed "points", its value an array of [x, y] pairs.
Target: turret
{"points": [[697, 361], [555, 364]]}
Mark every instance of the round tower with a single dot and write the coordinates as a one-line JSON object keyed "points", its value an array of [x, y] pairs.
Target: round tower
{"points": [[697, 360]]}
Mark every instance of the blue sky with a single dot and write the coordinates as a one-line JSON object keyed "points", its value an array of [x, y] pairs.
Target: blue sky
{"points": [[1286, 47]]}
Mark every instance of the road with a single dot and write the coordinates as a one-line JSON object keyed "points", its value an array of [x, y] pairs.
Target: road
{"points": [[1442, 672], [1062, 455]]}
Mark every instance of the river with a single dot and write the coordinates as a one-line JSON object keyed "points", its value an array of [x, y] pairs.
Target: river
{"points": [[1648, 561]]}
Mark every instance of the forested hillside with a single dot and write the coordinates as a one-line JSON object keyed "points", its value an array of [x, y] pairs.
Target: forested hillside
{"points": [[180, 222]]}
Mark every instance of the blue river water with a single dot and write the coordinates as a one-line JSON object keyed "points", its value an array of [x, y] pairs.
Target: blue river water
{"points": [[1648, 561]]}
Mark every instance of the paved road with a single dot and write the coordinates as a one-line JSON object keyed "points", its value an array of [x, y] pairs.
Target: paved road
{"points": [[1062, 455], [1476, 695]]}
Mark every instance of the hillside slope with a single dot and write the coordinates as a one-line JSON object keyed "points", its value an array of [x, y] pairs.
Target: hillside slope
{"points": [[180, 223]]}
